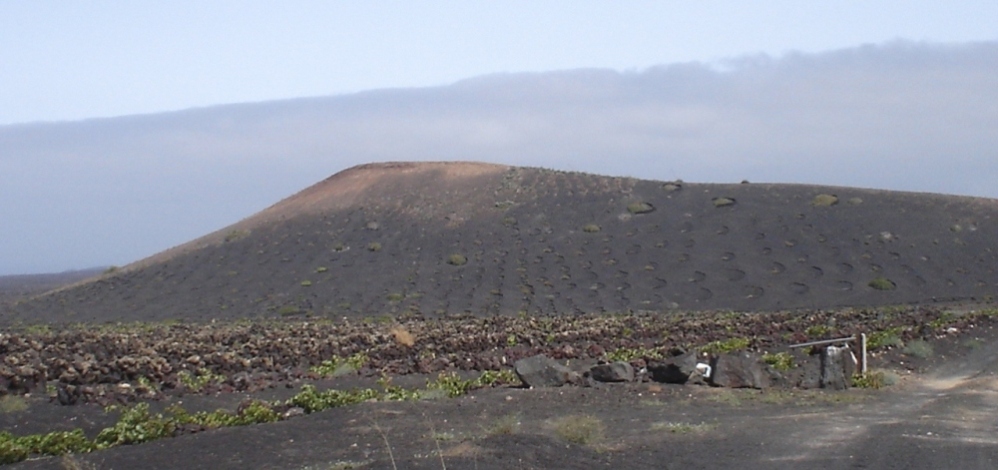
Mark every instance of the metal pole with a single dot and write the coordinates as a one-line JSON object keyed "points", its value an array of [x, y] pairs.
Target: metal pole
{"points": [[824, 341], [862, 354]]}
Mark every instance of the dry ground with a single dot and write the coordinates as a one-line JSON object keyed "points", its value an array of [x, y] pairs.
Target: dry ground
{"points": [[939, 415]]}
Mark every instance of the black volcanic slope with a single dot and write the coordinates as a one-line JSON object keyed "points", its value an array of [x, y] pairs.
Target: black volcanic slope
{"points": [[17, 286], [446, 238]]}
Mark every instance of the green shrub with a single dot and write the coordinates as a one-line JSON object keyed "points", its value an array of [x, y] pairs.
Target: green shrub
{"points": [[817, 331], [457, 260], [825, 200], [15, 449], [311, 400], [451, 384], [888, 337], [591, 228], [235, 235], [136, 425], [944, 319], [455, 386], [504, 425], [374, 246], [726, 346], [782, 361], [640, 208], [338, 366], [918, 348], [254, 412], [723, 201], [882, 283], [580, 429], [493, 378], [288, 310], [321, 269], [199, 380], [306, 283], [875, 379], [630, 354]]}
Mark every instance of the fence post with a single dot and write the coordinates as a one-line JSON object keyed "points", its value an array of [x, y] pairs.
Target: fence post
{"points": [[861, 339]]}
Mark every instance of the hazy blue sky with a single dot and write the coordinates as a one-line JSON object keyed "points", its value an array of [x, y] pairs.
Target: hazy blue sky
{"points": [[894, 95], [74, 60]]}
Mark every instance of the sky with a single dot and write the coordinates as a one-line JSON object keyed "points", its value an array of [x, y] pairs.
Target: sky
{"points": [[127, 128]]}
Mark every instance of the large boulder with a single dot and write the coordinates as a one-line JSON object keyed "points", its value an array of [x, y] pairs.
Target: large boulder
{"points": [[675, 370], [740, 370], [613, 372], [542, 371], [836, 367], [829, 367], [810, 377]]}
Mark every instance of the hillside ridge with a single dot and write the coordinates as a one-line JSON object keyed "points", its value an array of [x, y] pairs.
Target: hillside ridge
{"points": [[444, 238]]}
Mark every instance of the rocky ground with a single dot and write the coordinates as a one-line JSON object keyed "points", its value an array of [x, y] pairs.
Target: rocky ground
{"points": [[123, 362], [938, 358]]}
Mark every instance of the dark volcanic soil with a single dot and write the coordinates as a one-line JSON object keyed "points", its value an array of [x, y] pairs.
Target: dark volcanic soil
{"points": [[940, 417], [449, 238], [18, 287], [95, 363], [939, 412]]}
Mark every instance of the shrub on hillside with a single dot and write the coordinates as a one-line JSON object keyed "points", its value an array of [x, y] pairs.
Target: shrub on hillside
{"points": [[825, 200], [723, 201], [640, 208], [882, 283]]}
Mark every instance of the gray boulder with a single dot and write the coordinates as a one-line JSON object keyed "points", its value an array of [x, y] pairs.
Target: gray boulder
{"points": [[829, 367], [614, 372], [675, 370], [811, 374], [740, 370], [836, 367], [542, 371]]}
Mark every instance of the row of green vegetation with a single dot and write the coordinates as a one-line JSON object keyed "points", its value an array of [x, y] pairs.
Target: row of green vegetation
{"points": [[875, 379], [714, 347], [137, 424], [885, 338], [338, 366]]}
